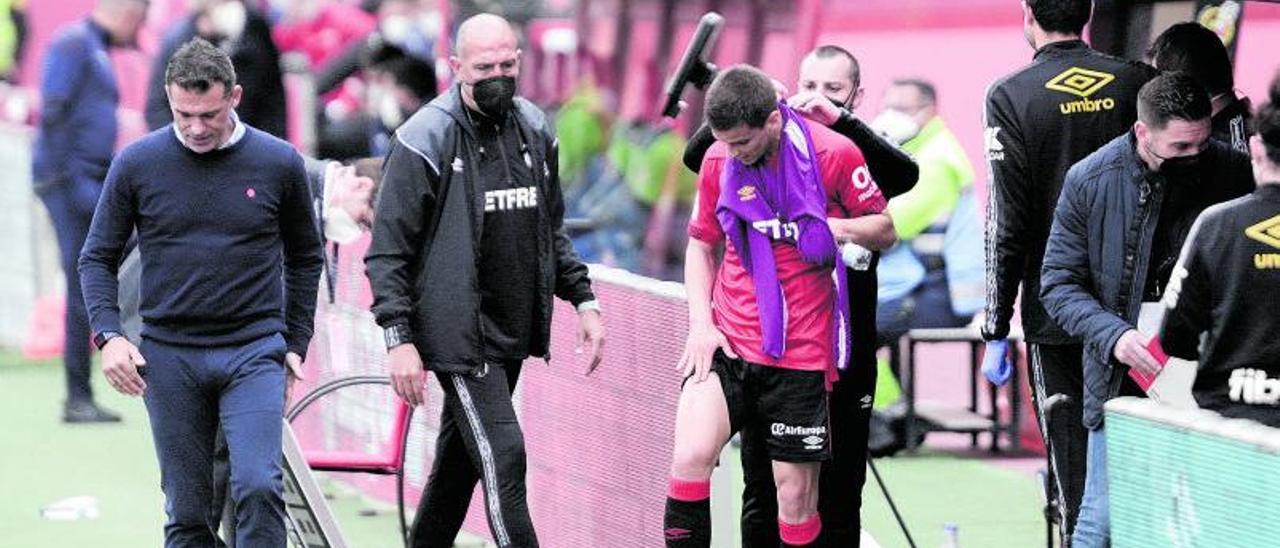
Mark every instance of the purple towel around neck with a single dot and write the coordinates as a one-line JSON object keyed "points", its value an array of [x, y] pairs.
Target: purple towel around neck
{"points": [[758, 204]]}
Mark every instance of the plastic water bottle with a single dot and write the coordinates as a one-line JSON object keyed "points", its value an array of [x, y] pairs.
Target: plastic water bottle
{"points": [[950, 536], [855, 256], [71, 509]]}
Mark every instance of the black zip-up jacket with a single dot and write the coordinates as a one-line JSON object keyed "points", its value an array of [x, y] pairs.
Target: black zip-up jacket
{"points": [[424, 259], [1231, 124], [1099, 251], [1039, 121], [1226, 286]]}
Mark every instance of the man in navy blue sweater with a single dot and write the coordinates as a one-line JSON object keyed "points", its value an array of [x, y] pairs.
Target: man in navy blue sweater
{"points": [[216, 205], [73, 148]]}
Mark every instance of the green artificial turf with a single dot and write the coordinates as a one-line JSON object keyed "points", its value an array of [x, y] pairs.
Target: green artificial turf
{"points": [[43, 460]]}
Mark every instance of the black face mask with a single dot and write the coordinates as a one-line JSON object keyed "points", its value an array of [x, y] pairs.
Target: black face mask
{"points": [[495, 95], [1182, 167], [1179, 167]]}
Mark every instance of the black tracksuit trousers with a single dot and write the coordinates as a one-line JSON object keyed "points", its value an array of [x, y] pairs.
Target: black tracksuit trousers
{"points": [[480, 440], [1059, 369]]}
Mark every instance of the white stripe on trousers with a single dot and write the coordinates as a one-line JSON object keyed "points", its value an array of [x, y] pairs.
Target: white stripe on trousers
{"points": [[1037, 366], [488, 467]]}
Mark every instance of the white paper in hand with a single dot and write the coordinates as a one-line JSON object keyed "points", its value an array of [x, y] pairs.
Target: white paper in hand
{"points": [[1173, 385]]}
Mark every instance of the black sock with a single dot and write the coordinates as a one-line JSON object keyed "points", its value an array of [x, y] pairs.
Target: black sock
{"points": [[687, 524]]}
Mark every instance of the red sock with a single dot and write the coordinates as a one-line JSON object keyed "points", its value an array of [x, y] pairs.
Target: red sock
{"points": [[800, 534], [689, 491]]}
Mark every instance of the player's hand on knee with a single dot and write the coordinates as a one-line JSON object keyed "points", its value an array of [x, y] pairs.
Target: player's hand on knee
{"points": [[700, 349], [408, 378], [120, 363]]}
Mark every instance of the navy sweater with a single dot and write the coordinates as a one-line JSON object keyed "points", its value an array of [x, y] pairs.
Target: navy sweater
{"points": [[212, 230], [78, 95]]}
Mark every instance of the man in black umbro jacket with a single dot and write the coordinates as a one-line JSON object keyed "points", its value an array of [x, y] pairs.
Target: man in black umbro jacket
{"points": [[1039, 121], [1226, 286]]}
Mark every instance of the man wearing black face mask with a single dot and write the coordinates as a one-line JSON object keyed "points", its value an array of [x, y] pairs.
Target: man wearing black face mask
{"points": [[1123, 214], [468, 249]]}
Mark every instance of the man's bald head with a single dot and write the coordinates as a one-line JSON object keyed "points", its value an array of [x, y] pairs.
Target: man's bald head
{"points": [[481, 31], [486, 48], [121, 19]]}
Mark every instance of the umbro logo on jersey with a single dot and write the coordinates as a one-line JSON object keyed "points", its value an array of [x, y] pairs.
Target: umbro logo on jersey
{"points": [[511, 198], [1082, 83], [1078, 81], [1267, 232], [747, 193]]}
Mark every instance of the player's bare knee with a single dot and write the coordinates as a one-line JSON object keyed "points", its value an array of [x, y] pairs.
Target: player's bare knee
{"points": [[693, 462], [797, 496]]}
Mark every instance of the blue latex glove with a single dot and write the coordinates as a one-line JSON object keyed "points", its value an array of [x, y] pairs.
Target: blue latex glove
{"points": [[996, 365]]}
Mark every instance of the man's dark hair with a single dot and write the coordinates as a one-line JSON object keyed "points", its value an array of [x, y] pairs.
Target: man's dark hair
{"points": [[1172, 95], [740, 95], [828, 51], [1061, 16], [927, 91], [1267, 122], [412, 73], [1198, 51], [198, 65]]}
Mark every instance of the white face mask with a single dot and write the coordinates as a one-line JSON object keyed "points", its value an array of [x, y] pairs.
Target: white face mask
{"points": [[339, 226], [228, 19], [380, 102], [397, 29], [389, 112], [895, 126]]}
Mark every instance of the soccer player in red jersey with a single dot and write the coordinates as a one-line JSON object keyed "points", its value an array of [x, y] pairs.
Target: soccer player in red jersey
{"points": [[771, 324]]}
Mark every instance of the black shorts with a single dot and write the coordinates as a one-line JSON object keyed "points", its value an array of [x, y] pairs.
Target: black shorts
{"points": [[787, 408]]}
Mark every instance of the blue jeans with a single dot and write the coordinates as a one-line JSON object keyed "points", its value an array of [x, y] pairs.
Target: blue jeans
{"points": [[1093, 529], [190, 390]]}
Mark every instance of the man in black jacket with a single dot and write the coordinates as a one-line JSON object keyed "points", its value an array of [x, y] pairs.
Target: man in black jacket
{"points": [[1200, 52], [830, 90], [1039, 121], [1124, 213], [1226, 286], [468, 249]]}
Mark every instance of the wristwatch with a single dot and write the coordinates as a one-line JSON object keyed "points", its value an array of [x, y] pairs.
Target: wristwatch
{"points": [[100, 340], [397, 335]]}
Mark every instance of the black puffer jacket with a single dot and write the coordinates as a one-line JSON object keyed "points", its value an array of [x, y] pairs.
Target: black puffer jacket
{"points": [[423, 263]]}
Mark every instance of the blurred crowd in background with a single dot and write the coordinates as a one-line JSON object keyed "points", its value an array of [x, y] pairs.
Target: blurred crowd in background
{"points": [[337, 77]]}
